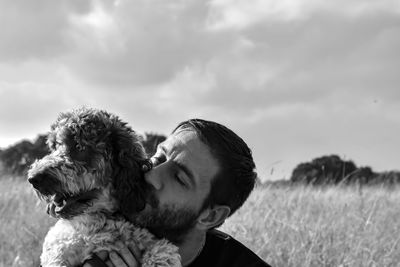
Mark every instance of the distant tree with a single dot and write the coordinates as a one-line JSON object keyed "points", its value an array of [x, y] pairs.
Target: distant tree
{"points": [[17, 158], [333, 170], [305, 173], [40, 148], [363, 175], [323, 170], [150, 142], [14, 157], [1, 163], [388, 178]]}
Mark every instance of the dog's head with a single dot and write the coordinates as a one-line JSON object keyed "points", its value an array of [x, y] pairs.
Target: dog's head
{"points": [[94, 165]]}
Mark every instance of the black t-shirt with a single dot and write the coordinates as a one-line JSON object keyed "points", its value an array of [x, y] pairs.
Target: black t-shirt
{"points": [[222, 250]]}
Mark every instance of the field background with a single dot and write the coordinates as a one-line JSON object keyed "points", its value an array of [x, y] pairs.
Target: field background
{"points": [[286, 226]]}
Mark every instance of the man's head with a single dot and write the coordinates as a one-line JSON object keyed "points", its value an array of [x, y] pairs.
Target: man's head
{"points": [[236, 176], [202, 174]]}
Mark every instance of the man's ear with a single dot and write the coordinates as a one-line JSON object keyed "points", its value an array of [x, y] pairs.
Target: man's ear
{"points": [[213, 217]]}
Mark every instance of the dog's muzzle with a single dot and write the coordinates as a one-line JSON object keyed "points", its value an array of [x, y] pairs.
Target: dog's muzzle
{"points": [[44, 183], [60, 203]]}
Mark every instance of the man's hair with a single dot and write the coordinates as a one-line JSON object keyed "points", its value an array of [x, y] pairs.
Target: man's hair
{"points": [[236, 177]]}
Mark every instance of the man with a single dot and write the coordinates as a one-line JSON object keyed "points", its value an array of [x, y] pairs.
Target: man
{"points": [[201, 175]]}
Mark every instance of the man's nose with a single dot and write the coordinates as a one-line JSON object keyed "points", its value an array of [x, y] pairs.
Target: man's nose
{"points": [[154, 177]]}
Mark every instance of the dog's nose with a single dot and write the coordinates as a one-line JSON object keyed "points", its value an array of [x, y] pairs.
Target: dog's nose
{"points": [[38, 181], [35, 180], [45, 183]]}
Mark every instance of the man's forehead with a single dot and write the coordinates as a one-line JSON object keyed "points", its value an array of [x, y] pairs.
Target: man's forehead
{"points": [[181, 137]]}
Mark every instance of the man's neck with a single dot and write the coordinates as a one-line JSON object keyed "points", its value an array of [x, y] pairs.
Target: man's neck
{"points": [[191, 246]]}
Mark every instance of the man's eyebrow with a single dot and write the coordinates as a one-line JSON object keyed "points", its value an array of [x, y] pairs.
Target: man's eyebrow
{"points": [[161, 147]]}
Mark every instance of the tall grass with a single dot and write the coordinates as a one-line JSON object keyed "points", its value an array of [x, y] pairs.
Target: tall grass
{"points": [[306, 226], [23, 223], [299, 226]]}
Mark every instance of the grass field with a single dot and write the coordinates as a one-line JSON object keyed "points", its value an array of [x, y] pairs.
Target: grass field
{"points": [[299, 226]]}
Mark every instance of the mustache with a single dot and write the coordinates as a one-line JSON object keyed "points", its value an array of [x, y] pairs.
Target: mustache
{"points": [[150, 196]]}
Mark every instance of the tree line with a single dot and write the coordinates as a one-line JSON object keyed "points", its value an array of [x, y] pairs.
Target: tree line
{"points": [[324, 170], [17, 158], [334, 170]]}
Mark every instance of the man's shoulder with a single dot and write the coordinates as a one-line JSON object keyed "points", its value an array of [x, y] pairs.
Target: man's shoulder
{"points": [[231, 250], [219, 234]]}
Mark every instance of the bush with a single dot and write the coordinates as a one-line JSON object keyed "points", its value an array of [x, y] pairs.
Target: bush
{"points": [[323, 170], [333, 170], [17, 158]]}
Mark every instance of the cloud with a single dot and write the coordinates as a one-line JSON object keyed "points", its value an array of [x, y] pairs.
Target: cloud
{"points": [[142, 42], [241, 14], [32, 110], [36, 29], [296, 78], [275, 47]]}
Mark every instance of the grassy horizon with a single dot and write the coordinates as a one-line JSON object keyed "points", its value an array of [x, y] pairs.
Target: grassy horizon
{"points": [[288, 226], [23, 223], [326, 226]]}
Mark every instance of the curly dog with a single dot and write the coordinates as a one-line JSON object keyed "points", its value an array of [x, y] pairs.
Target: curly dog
{"points": [[92, 175]]}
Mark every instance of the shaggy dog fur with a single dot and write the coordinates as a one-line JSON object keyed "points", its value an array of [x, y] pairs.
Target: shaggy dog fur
{"points": [[92, 175]]}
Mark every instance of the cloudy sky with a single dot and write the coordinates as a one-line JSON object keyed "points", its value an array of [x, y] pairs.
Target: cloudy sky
{"points": [[297, 79]]}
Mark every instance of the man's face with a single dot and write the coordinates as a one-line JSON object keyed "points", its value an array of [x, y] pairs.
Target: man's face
{"points": [[180, 181]]}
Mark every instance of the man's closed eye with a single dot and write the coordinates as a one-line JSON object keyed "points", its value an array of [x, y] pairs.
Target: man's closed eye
{"points": [[180, 180]]}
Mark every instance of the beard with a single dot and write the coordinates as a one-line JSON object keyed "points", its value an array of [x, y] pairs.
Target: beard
{"points": [[166, 221]]}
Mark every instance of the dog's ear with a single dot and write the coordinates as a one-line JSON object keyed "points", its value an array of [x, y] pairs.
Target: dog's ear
{"points": [[128, 155]]}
